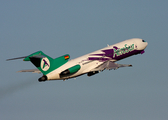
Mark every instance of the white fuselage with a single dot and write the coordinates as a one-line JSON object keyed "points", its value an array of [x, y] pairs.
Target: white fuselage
{"points": [[88, 61]]}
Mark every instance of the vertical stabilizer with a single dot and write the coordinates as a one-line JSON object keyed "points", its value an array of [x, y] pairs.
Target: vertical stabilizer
{"points": [[45, 63]]}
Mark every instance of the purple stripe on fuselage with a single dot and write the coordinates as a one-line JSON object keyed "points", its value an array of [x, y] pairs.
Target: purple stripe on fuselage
{"points": [[97, 58], [110, 54], [134, 52], [142, 52]]}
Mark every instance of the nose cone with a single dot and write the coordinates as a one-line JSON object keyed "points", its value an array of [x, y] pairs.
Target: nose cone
{"points": [[145, 44], [141, 44]]}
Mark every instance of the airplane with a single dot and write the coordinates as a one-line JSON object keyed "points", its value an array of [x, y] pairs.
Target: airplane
{"points": [[62, 68]]}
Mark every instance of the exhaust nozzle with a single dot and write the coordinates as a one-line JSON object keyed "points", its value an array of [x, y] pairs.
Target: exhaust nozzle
{"points": [[43, 78]]}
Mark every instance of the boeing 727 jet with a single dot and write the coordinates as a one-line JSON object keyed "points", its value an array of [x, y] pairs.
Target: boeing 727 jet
{"points": [[62, 68]]}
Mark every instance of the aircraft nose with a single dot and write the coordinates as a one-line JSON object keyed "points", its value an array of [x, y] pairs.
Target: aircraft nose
{"points": [[145, 43]]}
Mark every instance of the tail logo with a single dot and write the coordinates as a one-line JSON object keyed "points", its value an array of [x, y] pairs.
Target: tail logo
{"points": [[45, 64]]}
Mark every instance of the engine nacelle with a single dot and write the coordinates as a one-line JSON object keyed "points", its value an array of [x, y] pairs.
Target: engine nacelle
{"points": [[70, 71]]}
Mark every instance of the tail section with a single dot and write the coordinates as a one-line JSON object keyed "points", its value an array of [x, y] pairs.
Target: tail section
{"points": [[45, 63]]}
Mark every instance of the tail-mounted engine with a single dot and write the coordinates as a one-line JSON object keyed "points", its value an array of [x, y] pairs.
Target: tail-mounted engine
{"points": [[70, 71]]}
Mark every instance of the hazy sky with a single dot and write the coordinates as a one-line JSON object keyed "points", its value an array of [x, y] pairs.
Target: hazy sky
{"points": [[78, 27]]}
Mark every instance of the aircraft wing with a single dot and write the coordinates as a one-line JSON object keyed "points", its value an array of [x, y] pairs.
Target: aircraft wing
{"points": [[108, 65], [31, 70]]}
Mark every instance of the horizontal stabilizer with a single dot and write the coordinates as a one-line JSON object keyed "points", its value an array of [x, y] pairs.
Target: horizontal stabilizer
{"points": [[16, 58], [31, 70]]}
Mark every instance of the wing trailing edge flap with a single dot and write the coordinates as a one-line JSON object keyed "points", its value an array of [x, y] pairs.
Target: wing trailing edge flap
{"points": [[31, 70], [108, 65]]}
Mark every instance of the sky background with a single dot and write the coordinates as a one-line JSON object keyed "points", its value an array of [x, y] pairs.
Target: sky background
{"points": [[79, 27]]}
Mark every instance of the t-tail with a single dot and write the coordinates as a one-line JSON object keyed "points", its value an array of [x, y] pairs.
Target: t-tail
{"points": [[45, 63], [42, 61]]}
